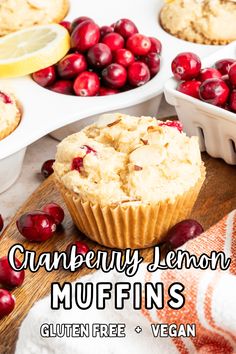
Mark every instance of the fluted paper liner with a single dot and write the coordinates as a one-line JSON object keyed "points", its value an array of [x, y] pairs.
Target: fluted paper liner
{"points": [[129, 226]]}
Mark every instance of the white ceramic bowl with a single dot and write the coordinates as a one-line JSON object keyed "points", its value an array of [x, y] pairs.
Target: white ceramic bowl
{"points": [[45, 111], [215, 127]]}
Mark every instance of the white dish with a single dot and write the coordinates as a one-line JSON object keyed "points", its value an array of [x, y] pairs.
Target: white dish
{"points": [[215, 126], [45, 111]]}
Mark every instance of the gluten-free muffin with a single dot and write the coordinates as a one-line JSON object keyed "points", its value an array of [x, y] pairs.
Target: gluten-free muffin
{"points": [[206, 22], [126, 179], [18, 14], [9, 114]]}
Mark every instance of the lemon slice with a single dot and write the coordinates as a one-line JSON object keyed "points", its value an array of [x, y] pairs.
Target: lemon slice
{"points": [[32, 49]]}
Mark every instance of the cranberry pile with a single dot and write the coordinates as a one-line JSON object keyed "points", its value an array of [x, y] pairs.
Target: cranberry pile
{"points": [[102, 60], [216, 85]]}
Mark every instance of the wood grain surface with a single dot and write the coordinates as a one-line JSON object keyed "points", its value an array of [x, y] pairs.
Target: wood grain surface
{"points": [[217, 197]]}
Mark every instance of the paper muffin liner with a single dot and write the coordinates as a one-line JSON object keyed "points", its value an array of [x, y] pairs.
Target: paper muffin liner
{"points": [[8, 130], [129, 226]]}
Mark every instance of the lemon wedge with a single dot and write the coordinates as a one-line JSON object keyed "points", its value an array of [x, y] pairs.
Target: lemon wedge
{"points": [[32, 49]]}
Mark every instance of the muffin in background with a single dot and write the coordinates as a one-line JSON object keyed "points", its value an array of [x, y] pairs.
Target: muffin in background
{"points": [[126, 180], [9, 114], [205, 22], [18, 14]]}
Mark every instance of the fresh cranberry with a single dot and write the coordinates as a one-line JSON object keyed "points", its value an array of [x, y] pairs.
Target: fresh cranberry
{"points": [[114, 75], [99, 55], [105, 30], [81, 248], [77, 164], [186, 66], [55, 211], [190, 88], [182, 232], [138, 74], [232, 75], [36, 226], [173, 124], [47, 168], [87, 84], [232, 101], [209, 73], [223, 65], [114, 41], [123, 57], [45, 77], [71, 66], [10, 278], [106, 91], [156, 45], [125, 28], [66, 25], [6, 99], [85, 36], [1, 223], [64, 87], [214, 91], [153, 62], [79, 20], [138, 44], [7, 303]]}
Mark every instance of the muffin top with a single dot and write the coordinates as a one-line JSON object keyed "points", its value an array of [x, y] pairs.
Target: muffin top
{"points": [[19, 14], [209, 22], [125, 159], [9, 111]]}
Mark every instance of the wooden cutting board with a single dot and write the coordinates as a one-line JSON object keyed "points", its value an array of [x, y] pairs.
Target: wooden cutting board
{"points": [[217, 198]]}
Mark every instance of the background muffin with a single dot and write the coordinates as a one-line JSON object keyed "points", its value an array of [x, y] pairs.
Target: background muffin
{"points": [[18, 14], [206, 22], [9, 114]]}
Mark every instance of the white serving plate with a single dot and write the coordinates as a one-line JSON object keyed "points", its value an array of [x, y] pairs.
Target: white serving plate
{"points": [[45, 111], [215, 127]]}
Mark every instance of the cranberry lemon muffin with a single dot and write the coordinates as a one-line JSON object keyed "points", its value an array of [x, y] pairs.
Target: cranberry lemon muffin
{"points": [[18, 14], [206, 22], [9, 114], [126, 179]]}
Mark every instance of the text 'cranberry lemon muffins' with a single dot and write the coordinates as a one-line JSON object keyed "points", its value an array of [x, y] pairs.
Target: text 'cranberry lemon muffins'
{"points": [[9, 114], [126, 180]]}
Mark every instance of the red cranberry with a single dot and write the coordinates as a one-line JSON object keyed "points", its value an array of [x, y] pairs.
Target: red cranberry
{"points": [[114, 75], [209, 73], [156, 45], [6, 99], [77, 164], [81, 248], [123, 57], [55, 211], [186, 66], [71, 66], [190, 88], [99, 55], [66, 24], [1, 223], [223, 65], [153, 62], [79, 20], [7, 303], [10, 278], [105, 30], [173, 124], [47, 168], [182, 232], [232, 101], [87, 84], [138, 44], [45, 77], [62, 86], [138, 74], [36, 226], [85, 36], [106, 91], [214, 91], [125, 28], [232, 75], [114, 41]]}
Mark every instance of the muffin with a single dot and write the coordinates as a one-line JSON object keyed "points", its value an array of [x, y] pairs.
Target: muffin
{"points": [[126, 180], [9, 114], [206, 22], [18, 14]]}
